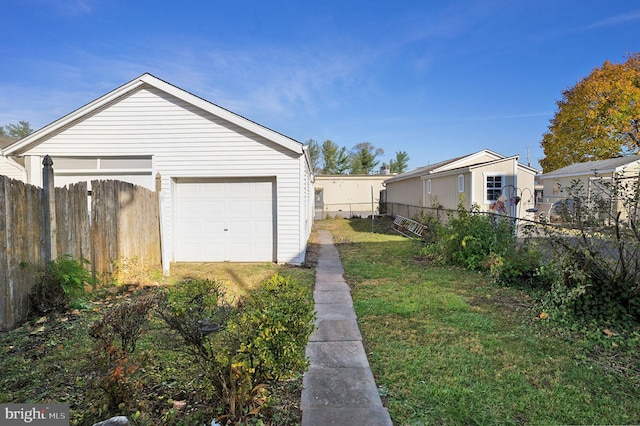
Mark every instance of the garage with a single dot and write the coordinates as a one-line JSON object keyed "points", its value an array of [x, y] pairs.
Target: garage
{"points": [[219, 220], [229, 188]]}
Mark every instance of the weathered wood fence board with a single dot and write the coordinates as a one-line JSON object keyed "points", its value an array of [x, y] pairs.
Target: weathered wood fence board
{"points": [[73, 235], [21, 244], [123, 223]]}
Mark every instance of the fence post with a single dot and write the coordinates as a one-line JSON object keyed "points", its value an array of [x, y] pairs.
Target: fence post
{"points": [[50, 227]]}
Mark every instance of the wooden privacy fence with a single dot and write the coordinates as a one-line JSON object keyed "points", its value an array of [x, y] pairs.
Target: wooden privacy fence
{"points": [[118, 221]]}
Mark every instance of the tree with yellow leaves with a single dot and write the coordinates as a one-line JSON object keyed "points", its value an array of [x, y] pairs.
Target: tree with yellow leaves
{"points": [[598, 118]]}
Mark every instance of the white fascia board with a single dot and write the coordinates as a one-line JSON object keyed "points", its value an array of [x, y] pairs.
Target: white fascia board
{"points": [[147, 78], [578, 174], [225, 114], [499, 160], [458, 171], [467, 158]]}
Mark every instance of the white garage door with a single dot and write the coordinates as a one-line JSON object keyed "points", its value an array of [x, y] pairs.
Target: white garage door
{"points": [[225, 220]]}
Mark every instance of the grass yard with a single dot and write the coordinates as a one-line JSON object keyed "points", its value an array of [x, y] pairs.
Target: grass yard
{"points": [[448, 348], [51, 359]]}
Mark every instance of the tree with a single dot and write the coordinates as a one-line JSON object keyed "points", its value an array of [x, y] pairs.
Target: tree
{"points": [[19, 130], [314, 154], [598, 118], [363, 158], [336, 160], [400, 164]]}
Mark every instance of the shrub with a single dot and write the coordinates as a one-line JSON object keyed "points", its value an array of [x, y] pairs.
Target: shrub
{"points": [[264, 341], [116, 335], [521, 267], [472, 239], [185, 306], [273, 327], [598, 257], [61, 284]]}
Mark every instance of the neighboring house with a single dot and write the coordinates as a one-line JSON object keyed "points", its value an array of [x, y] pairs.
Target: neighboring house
{"points": [[347, 195], [230, 189], [593, 177], [9, 166], [480, 178]]}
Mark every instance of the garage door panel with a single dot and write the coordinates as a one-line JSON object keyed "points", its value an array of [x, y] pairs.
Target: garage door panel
{"points": [[225, 220]]}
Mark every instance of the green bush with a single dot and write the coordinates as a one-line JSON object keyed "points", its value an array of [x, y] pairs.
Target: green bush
{"points": [[61, 284], [262, 339], [272, 329], [521, 267], [472, 239], [185, 306], [598, 256]]}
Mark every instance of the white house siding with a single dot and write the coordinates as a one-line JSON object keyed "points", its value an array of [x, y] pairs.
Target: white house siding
{"points": [[10, 168], [518, 182], [186, 141]]}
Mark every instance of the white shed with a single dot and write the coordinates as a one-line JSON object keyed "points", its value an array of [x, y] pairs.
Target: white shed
{"points": [[230, 189]]}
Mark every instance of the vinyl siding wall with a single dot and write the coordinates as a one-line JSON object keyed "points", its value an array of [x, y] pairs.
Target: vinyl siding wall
{"points": [[185, 141], [11, 169], [408, 191], [444, 190]]}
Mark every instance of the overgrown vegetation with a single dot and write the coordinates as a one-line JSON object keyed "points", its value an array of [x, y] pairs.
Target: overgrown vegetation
{"points": [[452, 346], [138, 351], [586, 269], [472, 240], [598, 259], [61, 285]]}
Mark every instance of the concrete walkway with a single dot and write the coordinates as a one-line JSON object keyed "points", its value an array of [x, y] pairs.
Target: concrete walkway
{"points": [[338, 388]]}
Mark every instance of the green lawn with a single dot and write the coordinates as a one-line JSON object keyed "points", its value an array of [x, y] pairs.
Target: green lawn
{"points": [[448, 348]]}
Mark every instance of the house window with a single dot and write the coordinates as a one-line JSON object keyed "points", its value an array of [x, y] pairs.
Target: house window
{"points": [[556, 188], [493, 187], [460, 183], [429, 186]]}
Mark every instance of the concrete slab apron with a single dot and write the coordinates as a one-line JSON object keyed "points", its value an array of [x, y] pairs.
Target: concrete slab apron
{"points": [[338, 388]]}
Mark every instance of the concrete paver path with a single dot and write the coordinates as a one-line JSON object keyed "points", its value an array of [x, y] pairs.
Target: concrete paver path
{"points": [[338, 388]]}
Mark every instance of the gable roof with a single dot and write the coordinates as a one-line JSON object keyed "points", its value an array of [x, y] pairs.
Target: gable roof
{"points": [[602, 166], [458, 163], [150, 80], [421, 171], [6, 141]]}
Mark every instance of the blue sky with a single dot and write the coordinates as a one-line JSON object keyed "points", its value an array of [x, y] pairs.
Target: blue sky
{"points": [[436, 79]]}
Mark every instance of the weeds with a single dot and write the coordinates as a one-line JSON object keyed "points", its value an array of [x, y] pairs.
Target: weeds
{"points": [[116, 335], [62, 283]]}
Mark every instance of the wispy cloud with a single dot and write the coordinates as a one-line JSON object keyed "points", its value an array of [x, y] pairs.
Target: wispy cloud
{"points": [[70, 8], [272, 84], [611, 21], [510, 116]]}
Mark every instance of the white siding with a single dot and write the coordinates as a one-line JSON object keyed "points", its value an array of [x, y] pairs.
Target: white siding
{"points": [[10, 168], [185, 141]]}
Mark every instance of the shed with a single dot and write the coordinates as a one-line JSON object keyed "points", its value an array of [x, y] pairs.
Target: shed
{"points": [[344, 196], [230, 188]]}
